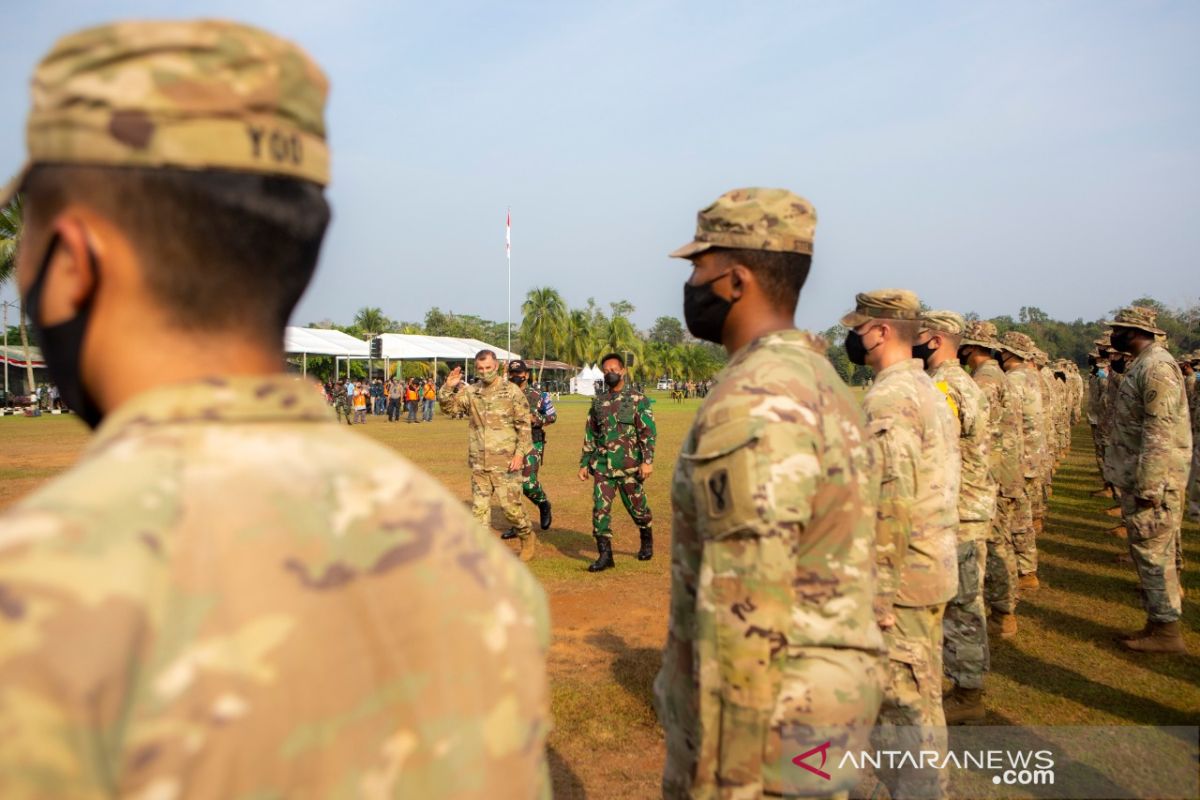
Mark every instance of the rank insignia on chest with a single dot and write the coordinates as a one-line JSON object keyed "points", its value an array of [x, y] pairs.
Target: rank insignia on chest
{"points": [[720, 500]]}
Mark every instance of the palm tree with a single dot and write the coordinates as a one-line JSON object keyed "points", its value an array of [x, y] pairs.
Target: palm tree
{"points": [[622, 337], [11, 224], [371, 321], [543, 321], [579, 345]]}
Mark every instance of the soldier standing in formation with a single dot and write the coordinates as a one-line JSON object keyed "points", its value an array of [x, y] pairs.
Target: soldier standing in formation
{"points": [[1016, 358], [1193, 490], [1097, 381], [1152, 444], [500, 439], [916, 559], [1006, 455], [772, 638], [218, 599], [618, 454], [541, 414], [965, 648]]}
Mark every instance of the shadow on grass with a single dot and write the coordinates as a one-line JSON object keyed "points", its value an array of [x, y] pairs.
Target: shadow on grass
{"points": [[1113, 588], [633, 668], [575, 545], [1036, 673], [566, 784], [1181, 667]]}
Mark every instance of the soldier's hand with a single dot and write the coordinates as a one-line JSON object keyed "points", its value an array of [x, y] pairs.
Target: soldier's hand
{"points": [[644, 470], [583, 473], [515, 464], [455, 377]]}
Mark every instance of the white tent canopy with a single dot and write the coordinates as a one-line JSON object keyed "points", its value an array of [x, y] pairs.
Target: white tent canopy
{"points": [[322, 342], [585, 382], [396, 346]]}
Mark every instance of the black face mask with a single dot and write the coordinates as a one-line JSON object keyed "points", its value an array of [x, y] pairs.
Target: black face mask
{"points": [[62, 344], [1118, 365], [517, 379], [1121, 339], [705, 311], [611, 379], [856, 351], [923, 351]]}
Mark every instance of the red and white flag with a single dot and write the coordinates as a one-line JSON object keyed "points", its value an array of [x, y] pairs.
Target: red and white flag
{"points": [[508, 234]]}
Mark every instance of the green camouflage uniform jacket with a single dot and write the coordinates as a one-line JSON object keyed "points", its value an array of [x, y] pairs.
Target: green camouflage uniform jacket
{"points": [[1152, 436], [1007, 448], [916, 534], [619, 434], [977, 494], [772, 572], [537, 419], [500, 426], [1027, 385], [229, 596]]}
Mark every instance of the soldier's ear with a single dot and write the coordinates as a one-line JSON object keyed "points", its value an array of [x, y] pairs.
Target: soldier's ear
{"points": [[739, 276]]}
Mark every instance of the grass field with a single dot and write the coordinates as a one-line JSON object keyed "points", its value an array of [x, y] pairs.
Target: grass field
{"points": [[1061, 669]]}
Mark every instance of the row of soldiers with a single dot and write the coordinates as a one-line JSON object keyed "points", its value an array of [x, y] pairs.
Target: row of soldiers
{"points": [[230, 596]]}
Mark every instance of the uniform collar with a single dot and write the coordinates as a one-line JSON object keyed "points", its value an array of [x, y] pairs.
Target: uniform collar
{"points": [[225, 399], [907, 365]]}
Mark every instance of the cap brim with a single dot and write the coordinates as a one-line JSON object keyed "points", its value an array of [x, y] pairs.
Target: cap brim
{"points": [[854, 319], [1146, 328], [978, 343], [691, 249], [13, 186]]}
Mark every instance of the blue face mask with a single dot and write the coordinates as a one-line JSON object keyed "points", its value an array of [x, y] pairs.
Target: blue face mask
{"points": [[1102, 373]]}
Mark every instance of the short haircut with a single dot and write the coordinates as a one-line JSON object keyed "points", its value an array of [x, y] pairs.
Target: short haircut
{"points": [[954, 338], [782, 275], [220, 249], [906, 329], [612, 357], [484, 355]]}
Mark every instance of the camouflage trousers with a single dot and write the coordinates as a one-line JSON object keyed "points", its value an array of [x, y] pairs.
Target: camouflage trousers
{"points": [[1031, 507], [532, 486], [1000, 577], [506, 488], [911, 716], [633, 496], [1098, 443], [1193, 486], [965, 650], [1154, 547]]}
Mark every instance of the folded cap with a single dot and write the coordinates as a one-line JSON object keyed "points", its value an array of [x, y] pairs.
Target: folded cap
{"points": [[517, 365], [754, 219], [207, 94], [950, 322], [883, 304], [1138, 317]]}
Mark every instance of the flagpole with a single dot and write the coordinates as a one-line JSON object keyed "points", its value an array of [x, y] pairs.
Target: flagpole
{"points": [[508, 254]]}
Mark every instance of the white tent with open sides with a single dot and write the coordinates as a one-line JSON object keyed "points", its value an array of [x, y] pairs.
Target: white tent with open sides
{"points": [[585, 382]]}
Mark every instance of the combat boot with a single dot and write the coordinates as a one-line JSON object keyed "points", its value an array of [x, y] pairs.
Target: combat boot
{"points": [[1113, 512], [1002, 625], [528, 546], [963, 706], [1029, 583], [511, 533], [1131, 635], [1105, 492], [544, 510], [1162, 637], [1120, 532], [605, 561], [646, 552]]}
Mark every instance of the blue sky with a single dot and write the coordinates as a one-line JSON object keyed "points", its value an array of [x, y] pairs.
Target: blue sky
{"points": [[987, 155]]}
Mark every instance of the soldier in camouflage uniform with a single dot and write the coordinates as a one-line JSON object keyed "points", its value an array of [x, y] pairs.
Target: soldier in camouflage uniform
{"points": [[1097, 382], [772, 646], [217, 600], [541, 414], [916, 435], [965, 647], [1006, 456], [1193, 489], [341, 403], [618, 455], [499, 441], [1152, 440], [1016, 354]]}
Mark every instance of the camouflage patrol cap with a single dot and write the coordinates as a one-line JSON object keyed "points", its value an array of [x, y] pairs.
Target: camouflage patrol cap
{"points": [[1138, 317], [883, 304], [950, 322], [981, 334], [205, 94], [1019, 344], [754, 219]]}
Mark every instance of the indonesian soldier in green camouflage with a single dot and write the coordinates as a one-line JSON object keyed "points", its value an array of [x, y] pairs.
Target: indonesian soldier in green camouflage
{"points": [[229, 595], [618, 455], [772, 647], [965, 648], [1016, 354], [916, 436], [541, 414], [1152, 440], [500, 439], [1006, 454]]}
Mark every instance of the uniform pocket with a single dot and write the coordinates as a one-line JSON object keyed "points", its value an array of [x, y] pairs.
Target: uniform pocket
{"points": [[724, 478]]}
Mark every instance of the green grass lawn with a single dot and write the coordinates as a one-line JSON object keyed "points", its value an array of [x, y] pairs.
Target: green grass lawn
{"points": [[1062, 668]]}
